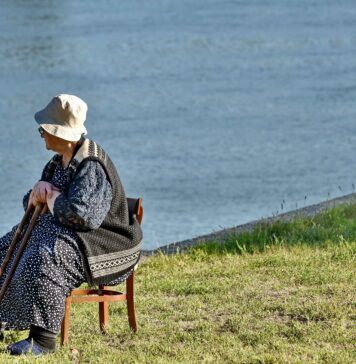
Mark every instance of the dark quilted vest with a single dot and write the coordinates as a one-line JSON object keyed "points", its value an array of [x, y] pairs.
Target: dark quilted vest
{"points": [[113, 248]]}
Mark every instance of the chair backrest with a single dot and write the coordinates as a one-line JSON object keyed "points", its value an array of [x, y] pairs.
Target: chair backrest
{"points": [[135, 208]]}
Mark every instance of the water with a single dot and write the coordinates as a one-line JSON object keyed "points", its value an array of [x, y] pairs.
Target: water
{"points": [[215, 112]]}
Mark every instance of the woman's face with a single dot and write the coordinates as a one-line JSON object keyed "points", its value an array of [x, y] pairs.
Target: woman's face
{"points": [[52, 142]]}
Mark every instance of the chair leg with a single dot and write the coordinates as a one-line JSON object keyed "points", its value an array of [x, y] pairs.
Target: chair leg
{"points": [[66, 322], [103, 313], [130, 295]]}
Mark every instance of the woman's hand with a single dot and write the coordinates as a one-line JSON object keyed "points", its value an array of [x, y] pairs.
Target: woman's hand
{"points": [[51, 199], [43, 189], [40, 192]]}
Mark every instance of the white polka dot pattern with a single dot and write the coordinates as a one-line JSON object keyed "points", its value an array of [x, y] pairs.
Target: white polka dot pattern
{"points": [[50, 267]]}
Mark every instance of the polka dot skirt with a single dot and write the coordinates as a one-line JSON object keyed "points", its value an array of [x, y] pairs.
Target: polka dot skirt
{"points": [[50, 267]]}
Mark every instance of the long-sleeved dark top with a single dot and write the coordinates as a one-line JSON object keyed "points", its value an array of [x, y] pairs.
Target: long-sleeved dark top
{"points": [[88, 199]]}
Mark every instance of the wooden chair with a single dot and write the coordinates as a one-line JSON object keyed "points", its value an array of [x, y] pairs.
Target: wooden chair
{"points": [[104, 294]]}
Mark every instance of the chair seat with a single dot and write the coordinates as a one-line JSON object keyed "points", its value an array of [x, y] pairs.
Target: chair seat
{"points": [[97, 295]]}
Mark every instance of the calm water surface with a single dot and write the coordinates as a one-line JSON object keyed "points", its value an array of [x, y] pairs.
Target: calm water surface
{"points": [[215, 112]]}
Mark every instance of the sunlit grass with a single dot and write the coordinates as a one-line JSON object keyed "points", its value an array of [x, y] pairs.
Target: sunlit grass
{"points": [[283, 293], [331, 226]]}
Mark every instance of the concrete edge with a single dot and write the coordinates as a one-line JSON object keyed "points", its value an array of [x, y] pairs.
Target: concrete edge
{"points": [[308, 211]]}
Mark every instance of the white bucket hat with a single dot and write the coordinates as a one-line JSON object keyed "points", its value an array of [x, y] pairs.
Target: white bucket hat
{"points": [[64, 117]]}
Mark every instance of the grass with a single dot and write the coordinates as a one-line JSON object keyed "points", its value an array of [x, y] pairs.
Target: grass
{"points": [[283, 293]]}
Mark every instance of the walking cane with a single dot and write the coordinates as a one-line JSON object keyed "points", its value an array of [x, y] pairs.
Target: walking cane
{"points": [[39, 208]]}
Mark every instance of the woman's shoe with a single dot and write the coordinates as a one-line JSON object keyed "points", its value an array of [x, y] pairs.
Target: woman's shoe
{"points": [[27, 346]]}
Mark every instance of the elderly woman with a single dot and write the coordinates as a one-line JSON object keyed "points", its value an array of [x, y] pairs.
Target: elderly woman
{"points": [[86, 235]]}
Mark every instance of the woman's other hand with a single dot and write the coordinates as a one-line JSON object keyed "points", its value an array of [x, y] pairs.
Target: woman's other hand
{"points": [[41, 190], [52, 198]]}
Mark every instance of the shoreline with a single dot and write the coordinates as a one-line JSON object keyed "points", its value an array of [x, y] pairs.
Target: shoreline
{"points": [[308, 211]]}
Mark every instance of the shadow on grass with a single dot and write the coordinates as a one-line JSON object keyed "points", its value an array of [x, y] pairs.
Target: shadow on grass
{"points": [[333, 226]]}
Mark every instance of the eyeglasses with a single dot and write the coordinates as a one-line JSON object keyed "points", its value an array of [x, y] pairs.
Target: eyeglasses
{"points": [[41, 131]]}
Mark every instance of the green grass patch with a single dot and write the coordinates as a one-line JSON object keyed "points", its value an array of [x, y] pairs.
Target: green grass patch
{"points": [[288, 296], [332, 226]]}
